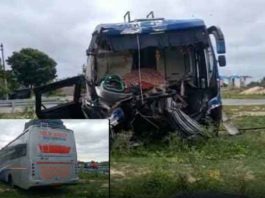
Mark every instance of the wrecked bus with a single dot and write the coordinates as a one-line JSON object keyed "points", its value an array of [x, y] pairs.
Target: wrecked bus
{"points": [[43, 155], [151, 73]]}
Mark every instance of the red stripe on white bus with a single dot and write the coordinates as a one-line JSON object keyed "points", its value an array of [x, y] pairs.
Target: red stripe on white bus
{"points": [[52, 148]]}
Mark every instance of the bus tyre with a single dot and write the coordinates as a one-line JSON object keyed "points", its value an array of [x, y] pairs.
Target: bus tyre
{"points": [[10, 181]]}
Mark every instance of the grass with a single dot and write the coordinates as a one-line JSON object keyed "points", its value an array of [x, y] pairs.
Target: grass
{"points": [[90, 185], [237, 108], [28, 113], [227, 164]]}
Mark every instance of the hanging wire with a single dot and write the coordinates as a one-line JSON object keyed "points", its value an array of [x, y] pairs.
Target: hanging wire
{"points": [[139, 69]]}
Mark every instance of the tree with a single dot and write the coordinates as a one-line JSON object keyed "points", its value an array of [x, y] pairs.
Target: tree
{"points": [[11, 80], [253, 84], [257, 83], [262, 82], [3, 90], [32, 67]]}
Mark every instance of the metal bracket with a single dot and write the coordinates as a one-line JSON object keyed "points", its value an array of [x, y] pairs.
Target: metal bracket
{"points": [[150, 14], [128, 15]]}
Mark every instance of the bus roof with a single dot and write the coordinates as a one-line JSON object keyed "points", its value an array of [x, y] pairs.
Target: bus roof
{"points": [[148, 26], [55, 123]]}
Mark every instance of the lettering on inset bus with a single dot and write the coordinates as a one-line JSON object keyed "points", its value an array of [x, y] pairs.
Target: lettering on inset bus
{"points": [[53, 135]]}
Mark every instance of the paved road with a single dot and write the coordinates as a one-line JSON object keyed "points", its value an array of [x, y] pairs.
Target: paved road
{"points": [[243, 101]]}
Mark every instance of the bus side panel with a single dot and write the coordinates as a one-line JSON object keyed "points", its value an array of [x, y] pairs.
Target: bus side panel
{"points": [[14, 162], [19, 172]]}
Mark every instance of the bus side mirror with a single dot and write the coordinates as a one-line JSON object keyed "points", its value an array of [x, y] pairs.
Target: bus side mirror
{"points": [[90, 53], [222, 60]]}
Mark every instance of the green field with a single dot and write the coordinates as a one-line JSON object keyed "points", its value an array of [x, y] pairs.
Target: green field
{"points": [[90, 185], [230, 164]]}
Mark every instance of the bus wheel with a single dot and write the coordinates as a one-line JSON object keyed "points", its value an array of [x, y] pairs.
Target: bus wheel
{"points": [[10, 181]]}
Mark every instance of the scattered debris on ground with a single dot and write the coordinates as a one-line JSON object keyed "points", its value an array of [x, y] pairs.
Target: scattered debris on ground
{"points": [[228, 125]]}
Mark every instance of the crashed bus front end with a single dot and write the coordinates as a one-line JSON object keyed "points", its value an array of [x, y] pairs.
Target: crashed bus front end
{"points": [[147, 75], [155, 74]]}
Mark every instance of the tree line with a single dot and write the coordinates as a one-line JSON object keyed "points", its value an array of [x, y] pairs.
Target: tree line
{"points": [[260, 83], [29, 68]]}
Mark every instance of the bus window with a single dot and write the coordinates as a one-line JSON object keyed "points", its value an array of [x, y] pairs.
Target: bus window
{"points": [[17, 151], [147, 58]]}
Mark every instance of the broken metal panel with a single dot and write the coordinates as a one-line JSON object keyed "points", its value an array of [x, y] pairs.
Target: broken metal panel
{"points": [[229, 126], [68, 110]]}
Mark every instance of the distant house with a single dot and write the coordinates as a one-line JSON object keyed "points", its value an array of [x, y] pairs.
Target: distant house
{"points": [[234, 81]]}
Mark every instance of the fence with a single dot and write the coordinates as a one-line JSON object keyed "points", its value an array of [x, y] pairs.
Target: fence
{"points": [[12, 106], [103, 170]]}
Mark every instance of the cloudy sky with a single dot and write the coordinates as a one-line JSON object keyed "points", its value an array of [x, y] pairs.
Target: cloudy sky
{"points": [[91, 136], [62, 28]]}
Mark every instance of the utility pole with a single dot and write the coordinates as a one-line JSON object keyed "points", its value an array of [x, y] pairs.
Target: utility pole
{"points": [[4, 68]]}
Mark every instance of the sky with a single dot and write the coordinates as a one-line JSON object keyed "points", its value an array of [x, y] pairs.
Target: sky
{"points": [[91, 136], [63, 28]]}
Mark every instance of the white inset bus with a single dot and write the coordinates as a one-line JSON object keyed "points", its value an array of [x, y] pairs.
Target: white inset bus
{"points": [[44, 154]]}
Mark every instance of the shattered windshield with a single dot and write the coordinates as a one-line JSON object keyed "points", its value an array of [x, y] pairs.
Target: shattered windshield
{"points": [[154, 66]]}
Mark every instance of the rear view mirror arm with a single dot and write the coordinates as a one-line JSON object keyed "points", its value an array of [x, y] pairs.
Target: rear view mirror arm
{"points": [[219, 38]]}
